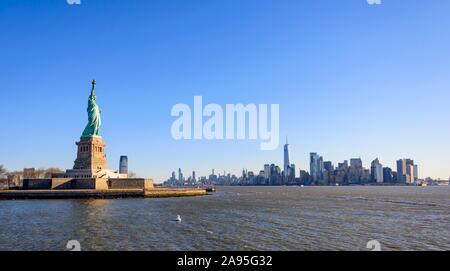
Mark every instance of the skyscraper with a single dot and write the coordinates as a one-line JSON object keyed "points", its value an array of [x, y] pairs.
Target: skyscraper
{"points": [[292, 172], [316, 166], [213, 177], [266, 171], [328, 166], [356, 163], [343, 166], [401, 171], [416, 173], [286, 159], [328, 174], [387, 175], [376, 171], [123, 165], [407, 171], [180, 176], [356, 173]]}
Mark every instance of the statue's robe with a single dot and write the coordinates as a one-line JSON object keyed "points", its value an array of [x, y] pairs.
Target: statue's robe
{"points": [[94, 119]]}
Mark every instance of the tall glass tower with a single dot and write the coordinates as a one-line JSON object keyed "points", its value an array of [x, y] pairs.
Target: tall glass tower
{"points": [[286, 159], [316, 166], [123, 165]]}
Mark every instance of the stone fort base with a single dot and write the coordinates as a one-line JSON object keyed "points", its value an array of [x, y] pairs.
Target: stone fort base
{"points": [[91, 184]]}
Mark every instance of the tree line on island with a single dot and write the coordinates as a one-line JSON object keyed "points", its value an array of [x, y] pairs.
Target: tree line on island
{"points": [[30, 172], [13, 178]]}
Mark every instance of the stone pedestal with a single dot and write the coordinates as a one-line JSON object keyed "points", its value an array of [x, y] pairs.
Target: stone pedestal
{"points": [[91, 155], [91, 161]]}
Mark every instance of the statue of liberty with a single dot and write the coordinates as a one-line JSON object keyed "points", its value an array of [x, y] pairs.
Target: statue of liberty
{"points": [[94, 120]]}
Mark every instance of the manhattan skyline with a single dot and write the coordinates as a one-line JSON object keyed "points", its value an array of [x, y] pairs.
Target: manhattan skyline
{"points": [[351, 79], [351, 171]]}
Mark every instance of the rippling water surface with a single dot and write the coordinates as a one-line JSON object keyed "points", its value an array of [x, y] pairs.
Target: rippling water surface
{"points": [[237, 218]]}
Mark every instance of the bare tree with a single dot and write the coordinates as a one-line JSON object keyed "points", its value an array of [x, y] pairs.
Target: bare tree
{"points": [[50, 171], [3, 171], [131, 174]]}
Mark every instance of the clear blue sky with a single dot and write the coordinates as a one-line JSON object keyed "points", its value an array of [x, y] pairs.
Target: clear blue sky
{"points": [[352, 79]]}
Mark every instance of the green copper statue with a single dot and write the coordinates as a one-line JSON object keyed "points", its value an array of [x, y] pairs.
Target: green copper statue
{"points": [[94, 120]]}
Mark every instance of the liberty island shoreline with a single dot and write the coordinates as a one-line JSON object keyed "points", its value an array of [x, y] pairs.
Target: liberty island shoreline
{"points": [[101, 194]]}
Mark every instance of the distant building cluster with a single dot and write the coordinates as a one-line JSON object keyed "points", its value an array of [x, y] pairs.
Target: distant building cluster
{"points": [[320, 172], [345, 173]]}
